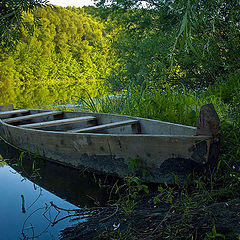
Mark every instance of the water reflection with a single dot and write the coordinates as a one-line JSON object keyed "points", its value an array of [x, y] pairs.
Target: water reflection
{"points": [[2, 163], [38, 95], [25, 207]]}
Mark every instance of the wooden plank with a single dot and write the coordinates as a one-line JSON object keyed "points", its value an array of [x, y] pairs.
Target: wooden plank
{"points": [[6, 108], [58, 122], [105, 126], [22, 118], [3, 114]]}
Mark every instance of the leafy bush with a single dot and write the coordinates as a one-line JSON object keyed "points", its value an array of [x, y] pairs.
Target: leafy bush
{"points": [[228, 89]]}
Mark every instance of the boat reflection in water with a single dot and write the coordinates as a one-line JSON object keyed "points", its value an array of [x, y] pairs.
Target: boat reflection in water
{"points": [[28, 185]]}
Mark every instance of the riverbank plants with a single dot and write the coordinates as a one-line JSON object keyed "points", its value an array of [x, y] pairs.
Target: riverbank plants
{"points": [[180, 105], [165, 103], [128, 193]]}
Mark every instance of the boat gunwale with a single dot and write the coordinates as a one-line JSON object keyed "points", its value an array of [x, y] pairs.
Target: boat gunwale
{"points": [[116, 115], [196, 137]]}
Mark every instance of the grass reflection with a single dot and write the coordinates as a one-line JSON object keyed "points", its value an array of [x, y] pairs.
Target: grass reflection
{"points": [[2, 162]]}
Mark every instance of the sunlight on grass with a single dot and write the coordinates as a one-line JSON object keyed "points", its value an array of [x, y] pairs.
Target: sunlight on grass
{"points": [[165, 104]]}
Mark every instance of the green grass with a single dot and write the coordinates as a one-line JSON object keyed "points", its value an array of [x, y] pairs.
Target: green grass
{"points": [[165, 104], [180, 106]]}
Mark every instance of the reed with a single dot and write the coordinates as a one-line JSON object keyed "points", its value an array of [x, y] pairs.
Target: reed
{"points": [[165, 104]]}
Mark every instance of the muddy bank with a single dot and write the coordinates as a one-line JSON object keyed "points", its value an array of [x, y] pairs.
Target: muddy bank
{"points": [[163, 221]]}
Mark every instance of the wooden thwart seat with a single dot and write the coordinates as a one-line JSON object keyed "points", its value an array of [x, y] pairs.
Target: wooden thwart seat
{"points": [[37, 115], [3, 114], [58, 122], [105, 126]]}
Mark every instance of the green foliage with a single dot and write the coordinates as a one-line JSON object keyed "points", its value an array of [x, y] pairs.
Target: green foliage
{"points": [[115, 234], [130, 3], [142, 42], [11, 17], [50, 94], [166, 195], [64, 46], [128, 193], [57, 47], [228, 89], [229, 166], [20, 159], [214, 234], [35, 172], [165, 104], [198, 38]]}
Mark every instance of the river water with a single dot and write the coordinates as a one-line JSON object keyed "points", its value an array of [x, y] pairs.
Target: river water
{"points": [[29, 185]]}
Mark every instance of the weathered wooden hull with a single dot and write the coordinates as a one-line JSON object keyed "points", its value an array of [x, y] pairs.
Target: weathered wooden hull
{"points": [[160, 156], [62, 181]]}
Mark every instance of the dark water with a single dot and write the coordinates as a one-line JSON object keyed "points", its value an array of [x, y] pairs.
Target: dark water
{"points": [[29, 184]]}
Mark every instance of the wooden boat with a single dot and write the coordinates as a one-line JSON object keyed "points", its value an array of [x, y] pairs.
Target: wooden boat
{"points": [[111, 144], [60, 180]]}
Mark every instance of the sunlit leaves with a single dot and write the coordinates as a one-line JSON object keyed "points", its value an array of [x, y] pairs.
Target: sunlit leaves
{"points": [[11, 14], [63, 45]]}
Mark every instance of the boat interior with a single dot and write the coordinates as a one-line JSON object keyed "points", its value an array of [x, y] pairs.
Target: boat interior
{"points": [[84, 122]]}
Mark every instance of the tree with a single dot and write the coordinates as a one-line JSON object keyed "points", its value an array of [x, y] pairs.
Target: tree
{"points": [[133, 3], [205, 33], [63, 46], [11, 13]]}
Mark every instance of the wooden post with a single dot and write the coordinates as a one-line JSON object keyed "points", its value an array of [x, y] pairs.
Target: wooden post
{"points": [[208, 125], [208, 121]]}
